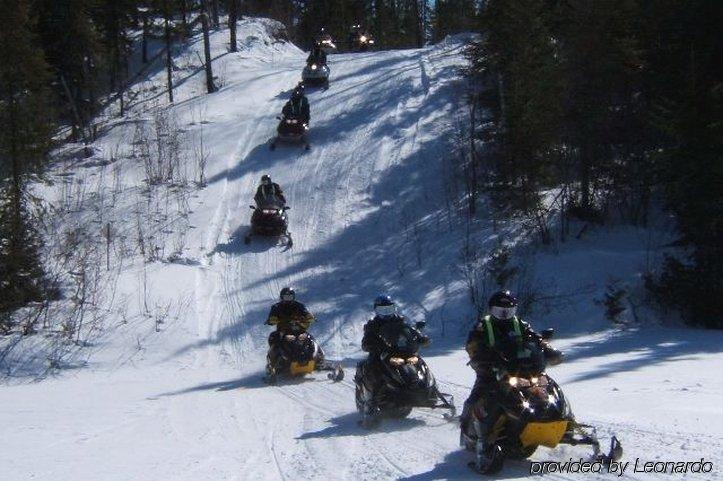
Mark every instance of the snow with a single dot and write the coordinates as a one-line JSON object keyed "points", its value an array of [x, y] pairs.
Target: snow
{"points": [[183, 399]]}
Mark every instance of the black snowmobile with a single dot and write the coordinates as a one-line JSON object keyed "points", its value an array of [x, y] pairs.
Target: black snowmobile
{"points": [[407, 381], [270, 220], [291, 130], [298, 354], [325, 42], [534, 413], [315, 74], [360, 40]]}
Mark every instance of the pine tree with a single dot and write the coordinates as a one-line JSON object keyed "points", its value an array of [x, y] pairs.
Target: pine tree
{"points": [[25, 133]]}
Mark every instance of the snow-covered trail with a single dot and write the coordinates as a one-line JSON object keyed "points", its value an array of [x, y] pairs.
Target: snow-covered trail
{"points": [[188, 403]]}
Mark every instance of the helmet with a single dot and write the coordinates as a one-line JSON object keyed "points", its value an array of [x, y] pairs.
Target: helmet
{"points": [[287, 294], [266, 179], [384, 306], [298, 91], [503, 305]]}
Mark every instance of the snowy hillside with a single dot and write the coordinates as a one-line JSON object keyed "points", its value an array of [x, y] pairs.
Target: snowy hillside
{"points": [[170, 386]]}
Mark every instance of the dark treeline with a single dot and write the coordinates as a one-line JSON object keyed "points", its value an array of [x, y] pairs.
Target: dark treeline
{"points": [[393, 23], [612, 104], [62, 61]]}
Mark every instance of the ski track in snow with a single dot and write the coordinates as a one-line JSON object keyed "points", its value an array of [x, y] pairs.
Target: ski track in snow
{"points": [[194, 407]]}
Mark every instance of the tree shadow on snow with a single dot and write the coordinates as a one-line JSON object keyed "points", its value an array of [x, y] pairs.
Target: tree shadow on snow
{"points": [[348, 425], [643, 348], [249, 381], [259, 157]]}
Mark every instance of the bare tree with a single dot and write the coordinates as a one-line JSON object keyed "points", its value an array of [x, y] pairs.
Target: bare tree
{"points": [[232, 19], [169, 76], [210, 87]]}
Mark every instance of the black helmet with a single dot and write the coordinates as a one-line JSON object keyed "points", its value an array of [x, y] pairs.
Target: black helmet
{"points": [[266, 179], [384, 306], [503, 305], [298, 91], [287, 294]]}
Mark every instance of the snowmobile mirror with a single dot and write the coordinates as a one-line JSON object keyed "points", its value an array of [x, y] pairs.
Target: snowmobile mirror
{"points": [[420, 325], [547, 333], [286, 207], [252, 207]]}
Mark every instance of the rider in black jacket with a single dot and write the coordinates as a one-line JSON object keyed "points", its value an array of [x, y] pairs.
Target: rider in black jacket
{"points": [[385, 313], [495, 339], [298, 106]]}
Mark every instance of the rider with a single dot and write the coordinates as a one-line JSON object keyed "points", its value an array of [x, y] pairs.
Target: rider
{"points": [[317, 55], [495, 338], [298, 105], [288, 315], [354, 33], [268, 191], [385, 311]]}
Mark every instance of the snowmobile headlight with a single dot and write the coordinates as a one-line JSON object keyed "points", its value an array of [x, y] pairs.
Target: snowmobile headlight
{"points": [[290, 337], [269, 211], [363, 38], [519, 382], [371, 41], [396, 361], [413, 360], [313, 66], [292, 121]]}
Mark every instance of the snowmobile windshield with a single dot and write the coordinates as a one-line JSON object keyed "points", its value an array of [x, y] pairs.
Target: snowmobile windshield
{"points": [[528, 359], [271, 202], [400, 337], [385, 311], [503, 313]]}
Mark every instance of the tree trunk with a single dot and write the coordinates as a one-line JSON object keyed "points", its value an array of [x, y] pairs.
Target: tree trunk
{"points": [[144, 41], [419, 23], [169, 76], [232, 19], [210, 87], [184, 18], [16, 194], [586, 160], [473, 182], [74, 108], [214, 13]]}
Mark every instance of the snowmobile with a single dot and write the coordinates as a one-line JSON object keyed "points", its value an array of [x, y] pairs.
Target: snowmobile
{"points": [[326, 43], [406, 383], [315, 74], [360, 40], [292, 130], [269, 220], [298, 354], [534, 413]]}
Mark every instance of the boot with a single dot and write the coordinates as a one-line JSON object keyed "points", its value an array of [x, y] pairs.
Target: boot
{"points": [[488, 455]]}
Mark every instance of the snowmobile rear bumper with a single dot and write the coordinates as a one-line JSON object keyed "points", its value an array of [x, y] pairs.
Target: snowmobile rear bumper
{"points": [[543, 433], [299, 368]]}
